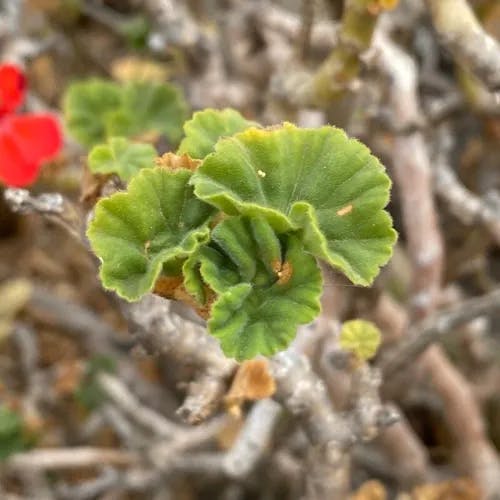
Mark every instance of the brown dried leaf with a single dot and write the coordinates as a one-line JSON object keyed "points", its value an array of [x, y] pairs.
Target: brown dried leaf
{"points": [[174, 162], [252, 381], [69, 374], [370, 490], [228, 434], [378, 6], [457, 489], [92, 186], [131, 68], [172, 288]]}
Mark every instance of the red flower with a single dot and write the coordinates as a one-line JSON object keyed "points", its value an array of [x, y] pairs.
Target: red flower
{"points": [[26, 140]]}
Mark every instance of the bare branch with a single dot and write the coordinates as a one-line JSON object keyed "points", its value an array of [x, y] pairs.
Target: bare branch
{"points": [[253, 440], [464, 204], [50, 205], [462, 34], [73, 318], [144, 416], [69, 458], [332, 434], [412, 172], [435, 327], [160, 331]]}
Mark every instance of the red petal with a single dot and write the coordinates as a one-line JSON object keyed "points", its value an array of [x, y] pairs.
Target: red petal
{"points": [[25, 142], [12, 86], [38, 136], [15, 170]]}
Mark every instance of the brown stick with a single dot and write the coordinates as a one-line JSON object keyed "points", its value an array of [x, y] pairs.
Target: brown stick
{"points": [[69, 458], [160, 331], [462, 34], [432, 329], [412, 173]]}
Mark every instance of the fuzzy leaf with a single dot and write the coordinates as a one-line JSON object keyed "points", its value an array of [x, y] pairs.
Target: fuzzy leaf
{"points": [[360, 337], [316, 180], [266, 287], [86, 107], [193, 282], [148, 107], [153, 226], [206, 127], [122, 157]]}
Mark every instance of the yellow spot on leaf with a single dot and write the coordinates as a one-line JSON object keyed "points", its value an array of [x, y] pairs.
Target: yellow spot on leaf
{"points": [[283, 270], [261, 173], [345, 210]]}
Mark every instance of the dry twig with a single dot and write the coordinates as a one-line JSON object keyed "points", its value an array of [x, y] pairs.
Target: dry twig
{"points": [[460, 31], [412, 172]]}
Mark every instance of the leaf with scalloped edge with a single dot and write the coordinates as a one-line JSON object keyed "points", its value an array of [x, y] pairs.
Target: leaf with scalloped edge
{"points": [[315, 180], [149, 229], [149, 107], [266, 286], [122, 157], [360, 337], [86, 107], [206, 127]]}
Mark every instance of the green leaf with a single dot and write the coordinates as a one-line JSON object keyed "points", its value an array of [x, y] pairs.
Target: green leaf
{"points": [[122, 157], [12, 435], [266, 287], [149, 107], [86, 107], [193, 282], [206, 127], [317, 181], [360, 337], [156, 224]]}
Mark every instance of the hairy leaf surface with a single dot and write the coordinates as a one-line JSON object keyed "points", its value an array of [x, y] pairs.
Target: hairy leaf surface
{"points": [[153, 226], [266, 286], [207, 127], [317, 181], [122, 157]]}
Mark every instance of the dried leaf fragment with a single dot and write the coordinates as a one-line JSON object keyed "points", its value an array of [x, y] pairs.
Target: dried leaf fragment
{"points": [[68, 376], [370, 490], [131, 68], [378, 6], [253, 381], [457, 489], [283, 271], [173, 162], [172, 288]]}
